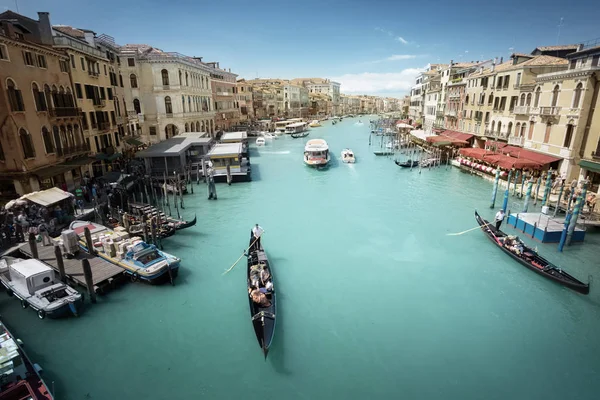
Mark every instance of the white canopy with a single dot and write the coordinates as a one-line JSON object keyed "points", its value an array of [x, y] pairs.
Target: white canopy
{"points": [[47, 197]]}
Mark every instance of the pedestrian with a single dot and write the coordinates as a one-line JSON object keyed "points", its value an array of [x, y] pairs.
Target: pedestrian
{"points": [[80, 204], [257, 232], [499, 218], [43, 231]]}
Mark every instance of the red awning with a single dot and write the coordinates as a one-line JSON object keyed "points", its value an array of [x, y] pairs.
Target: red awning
{"points": [[521, 153], [496, 144], [446, 140], [457, 135], [474, 152], [507, 162]]}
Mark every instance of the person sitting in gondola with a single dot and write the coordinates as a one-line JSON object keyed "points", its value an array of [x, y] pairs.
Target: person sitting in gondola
{"points": [[258, 297]]}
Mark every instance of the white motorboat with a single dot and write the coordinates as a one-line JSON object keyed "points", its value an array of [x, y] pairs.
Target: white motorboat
{"points": [[316, 153], [36, 285], [348, 156], [268, 136], [315, 124], [260, 141]]}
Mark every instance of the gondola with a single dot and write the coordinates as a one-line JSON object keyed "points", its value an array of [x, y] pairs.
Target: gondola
{"points": [[186, 224], [531, 259], [263, 317], [299, 134], [407, 164]]}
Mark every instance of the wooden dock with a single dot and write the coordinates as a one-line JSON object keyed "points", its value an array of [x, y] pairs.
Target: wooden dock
{"points": [[104, 274]]}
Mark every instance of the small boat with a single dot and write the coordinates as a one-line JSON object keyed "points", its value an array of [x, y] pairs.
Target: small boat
{"points": [[263, 308], [139, 259], [333, 122], [260, 141], [316, 153], [383, 152], [315, 124], [36, 285], [407, 164], [297, 127], [348, 156], [529, 257], [21, 378], [300, 134], [179, 225]]}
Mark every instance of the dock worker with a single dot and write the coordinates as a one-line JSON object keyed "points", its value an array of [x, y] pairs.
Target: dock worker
{"points": [[499, 218], [257, 232]]}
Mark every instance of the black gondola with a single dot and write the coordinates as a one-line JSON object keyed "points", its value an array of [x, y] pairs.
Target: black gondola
{"points": [[186, 224], [529, 258], [407, 164], [299, 134], [262, 316]]}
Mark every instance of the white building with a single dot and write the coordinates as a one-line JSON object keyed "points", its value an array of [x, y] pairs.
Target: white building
{"points": [[167, 93], [325, 86]]}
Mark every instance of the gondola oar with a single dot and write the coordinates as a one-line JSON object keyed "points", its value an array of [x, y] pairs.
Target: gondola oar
{"points": [[468, 230], [243, 254]]}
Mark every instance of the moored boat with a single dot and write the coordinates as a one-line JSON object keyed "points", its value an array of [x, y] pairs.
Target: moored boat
{"points": [[139, 259], [528, 257], [261, 293], [407, 163], [315, 124], [36, 285], [316, 153], [260, 141], [348, 156], [297, 128]]}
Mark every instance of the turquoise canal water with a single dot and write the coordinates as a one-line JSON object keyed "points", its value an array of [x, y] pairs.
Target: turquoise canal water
{"points": [[374, 299]]}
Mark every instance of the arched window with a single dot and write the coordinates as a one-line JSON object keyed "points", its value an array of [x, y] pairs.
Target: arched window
{"points": [[522, 103], [69, 98], [70, 137], [168, 105], [190, 104], [187, 127], [137, 107], [528, 102], [202, 126], [180, 82], [77, 134], [15, 98], [499, 127], [165, 77], [518, 129], [493, 125], [133, 81], [56, 136], [197, 126], [467, 99], [183, 102], [523, 130], [536, 102], [48, 145], [577, 96], [555, 93], [39, 98], [569, 134], [186, 79], [26, 143], [509, 129], [547, 133]]}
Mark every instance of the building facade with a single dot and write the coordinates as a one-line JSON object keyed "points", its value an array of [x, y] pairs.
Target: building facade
{"points": [[224, 92], [245, 99], [41, 141], [323, 86]]}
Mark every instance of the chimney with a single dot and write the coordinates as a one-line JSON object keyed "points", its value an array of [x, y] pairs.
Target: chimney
{"points": [[580, 47], [197, 58], [45, 28], [501, 60], [451, 62], [89, 37]]}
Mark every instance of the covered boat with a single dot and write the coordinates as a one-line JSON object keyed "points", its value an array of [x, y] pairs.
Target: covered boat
{"points": [[263, 309], [528, 257], [139, 259], [316, 153], [36, 285], [297, 135], [348, 156]]}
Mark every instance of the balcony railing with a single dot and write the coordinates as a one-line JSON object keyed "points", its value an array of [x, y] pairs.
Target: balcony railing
{"points": [[521, 110], [72, 150], [62, 112], [451, 113], [103, 126], [550, 111], [99, 102], [516, 141]]}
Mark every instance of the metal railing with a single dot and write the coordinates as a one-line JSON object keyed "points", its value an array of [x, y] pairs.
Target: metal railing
{"points": [[516, 140], [451, 113], [103, 126], [72, 150], [550, 111], [521, 110], [64, 112], [60, 41]]}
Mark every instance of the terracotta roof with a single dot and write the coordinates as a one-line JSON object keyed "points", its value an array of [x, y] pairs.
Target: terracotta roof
{"points": [[463, 65], [69, 30], [560, 47], [545, 60]]}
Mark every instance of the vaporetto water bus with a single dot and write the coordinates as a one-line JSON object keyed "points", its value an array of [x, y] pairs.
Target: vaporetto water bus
{"points": [[316, 153]]}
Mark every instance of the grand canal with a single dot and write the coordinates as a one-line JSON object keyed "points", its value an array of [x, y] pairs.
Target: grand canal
{"points": [[374, 299]]}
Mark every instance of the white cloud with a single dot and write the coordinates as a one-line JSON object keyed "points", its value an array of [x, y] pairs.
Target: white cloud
{"points": [[372, 82], [397, 57], [402, 40], [389, 33]]}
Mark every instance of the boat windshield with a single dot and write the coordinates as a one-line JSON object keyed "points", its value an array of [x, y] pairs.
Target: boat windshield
{"points": [[147, 257]]}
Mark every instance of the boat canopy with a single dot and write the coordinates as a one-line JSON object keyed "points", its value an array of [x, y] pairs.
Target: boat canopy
{"points": [[316, 145]]}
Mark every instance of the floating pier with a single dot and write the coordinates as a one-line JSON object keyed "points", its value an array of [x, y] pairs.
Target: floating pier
{"points": [[542, 227], [104, 274]]}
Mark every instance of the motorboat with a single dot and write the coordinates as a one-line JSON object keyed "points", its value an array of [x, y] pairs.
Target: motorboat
{"points": [[140, 260], [268, 135], [315, 124], [297, 128], [260, 141], [348, 156], [316, 153], [37, 286]]}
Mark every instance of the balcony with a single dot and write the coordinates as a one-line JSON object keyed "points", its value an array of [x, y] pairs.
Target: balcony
{"points": [[93, 74], [451, 113], [64, 112], [516, 141], [550, 111], [72, 150], [521, 110], [99, 103], [103, 126]]}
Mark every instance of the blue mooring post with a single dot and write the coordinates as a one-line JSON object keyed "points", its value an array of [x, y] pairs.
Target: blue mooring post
{"points": [[548, 187], [522, 184], [495, 189], [560, 193], [527, 195], [505, 202], [537, 189], [578, 209], [516, 180], [563, 235]]}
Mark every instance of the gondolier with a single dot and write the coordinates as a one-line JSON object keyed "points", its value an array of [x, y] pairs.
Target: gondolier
{"points": [[257, 232], [499, 218]]}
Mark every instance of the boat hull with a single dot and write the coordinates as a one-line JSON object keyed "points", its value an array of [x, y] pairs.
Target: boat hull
{"points": [[66, 309], [407, 164], [549, 271]]}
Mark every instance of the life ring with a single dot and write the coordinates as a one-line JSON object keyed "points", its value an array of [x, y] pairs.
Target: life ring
{"points": [[41, 314]]}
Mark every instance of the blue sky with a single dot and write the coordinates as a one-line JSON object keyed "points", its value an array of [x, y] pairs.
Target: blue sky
{"points": [[372, 47]]}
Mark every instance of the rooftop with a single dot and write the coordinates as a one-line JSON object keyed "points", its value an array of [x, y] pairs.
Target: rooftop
{"points": [[559, 47], [225, 149], [237, 136], [175, 146]]}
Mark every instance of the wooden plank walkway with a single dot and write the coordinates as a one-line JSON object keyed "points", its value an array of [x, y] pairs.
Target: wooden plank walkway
{"points": [[104, 274]]}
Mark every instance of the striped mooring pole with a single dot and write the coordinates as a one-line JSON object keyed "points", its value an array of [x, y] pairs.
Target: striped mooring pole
{"points": [[528, 194], [578, 210], [495, 189]]}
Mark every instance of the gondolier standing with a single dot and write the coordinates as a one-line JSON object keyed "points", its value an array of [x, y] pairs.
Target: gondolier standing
{"points": [[499, 218], [257, 232]]}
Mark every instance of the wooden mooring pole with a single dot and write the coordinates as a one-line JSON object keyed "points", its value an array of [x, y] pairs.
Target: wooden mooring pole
{"points": [[89, 282], [33, 246], [60, 263]]}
